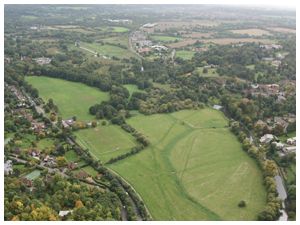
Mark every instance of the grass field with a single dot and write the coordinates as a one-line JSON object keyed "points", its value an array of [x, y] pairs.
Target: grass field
{"points": [[90, 170], [108, 50], [164, 38], [33, 175], [132, 88], [194, 168], [45, 143], [71, 156], [211, 72], [123, 40], [72, 98], [105, 142], [187, 55], [283, 138], [113, 29]]}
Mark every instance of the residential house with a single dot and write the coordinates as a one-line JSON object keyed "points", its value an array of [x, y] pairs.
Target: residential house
{"points": [[63, 213], [217, 107], [291, 141], [8, 169], [289, 149], [267, 138], [82, 174], [26, 182]]}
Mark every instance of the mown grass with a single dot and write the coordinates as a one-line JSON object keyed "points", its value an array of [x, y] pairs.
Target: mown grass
{"points": [[187, 55], [33, 175], [72, 98], [71, 156], [90, 170], [165, 38], [105, 142], [194, 168], [108, 50]]}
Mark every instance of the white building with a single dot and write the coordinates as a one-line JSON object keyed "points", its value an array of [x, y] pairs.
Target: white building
{"points": [[291, 141], [8, 169], [217, 107], [290, 149], [267, 138]]}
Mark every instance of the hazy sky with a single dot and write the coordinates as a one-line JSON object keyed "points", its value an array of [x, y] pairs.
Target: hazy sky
{"points": [[280, 3]]}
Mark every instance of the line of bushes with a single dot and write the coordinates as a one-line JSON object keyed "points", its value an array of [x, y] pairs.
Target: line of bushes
{"points": [[116, 185]]}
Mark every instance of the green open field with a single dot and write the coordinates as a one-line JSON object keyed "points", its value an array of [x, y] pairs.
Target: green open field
{"points": [[105, 142], [45, 143], [211, 72], [72, 98], [113, 29], [90, 170], [71, 156], [132, 88], [123, 40], [108, 50], [187, 55], [33, 175], [194, 168], [164, 38], [284, 137]]}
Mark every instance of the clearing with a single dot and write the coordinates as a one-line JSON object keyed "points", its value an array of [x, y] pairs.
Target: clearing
{"points": [[105, 142], [72, 98], [184, 54]]}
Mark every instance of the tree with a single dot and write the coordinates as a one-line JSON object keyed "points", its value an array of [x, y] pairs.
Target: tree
{"points": [[270, 168], [52, 117], [61, 161], [78, 204], [94, 123], [242, 204]]}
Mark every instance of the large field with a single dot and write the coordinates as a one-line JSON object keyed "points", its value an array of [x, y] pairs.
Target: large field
{"points": [[105, 142], [108, 50], [72, 99], [251, 32], [194, 168]]}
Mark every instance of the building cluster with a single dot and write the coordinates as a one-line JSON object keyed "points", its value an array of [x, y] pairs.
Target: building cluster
{"points": [[42, 60], [283, 148], [271, 47], [142, 44], [267, 90], [271, 123]]}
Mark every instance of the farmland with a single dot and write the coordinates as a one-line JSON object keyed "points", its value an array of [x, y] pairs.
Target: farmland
{"points": [[169, 172], [105, 142], [66, 96], [220, 41], [251, 32]]}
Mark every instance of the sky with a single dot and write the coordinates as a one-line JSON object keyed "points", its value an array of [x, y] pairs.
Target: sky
{"points": [[277, 3]]}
